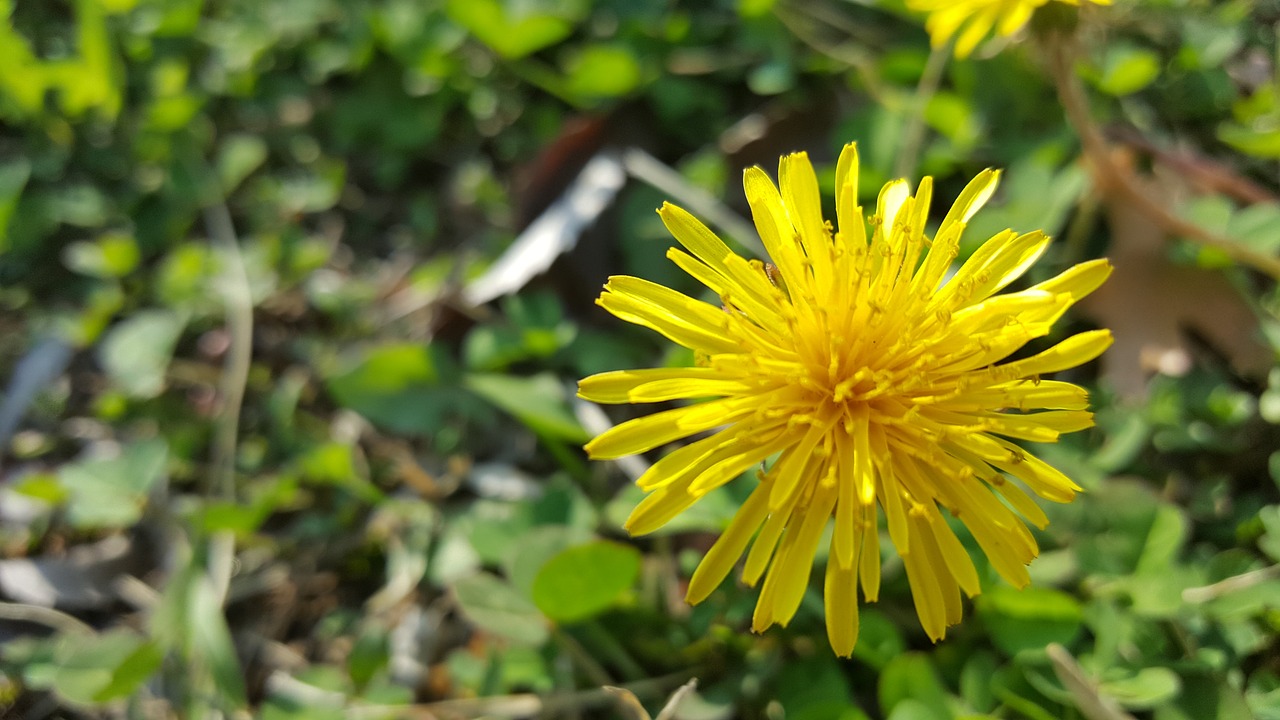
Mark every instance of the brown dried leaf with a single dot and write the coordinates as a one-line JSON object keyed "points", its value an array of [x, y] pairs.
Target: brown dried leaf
{"points": [[1152, 304]]}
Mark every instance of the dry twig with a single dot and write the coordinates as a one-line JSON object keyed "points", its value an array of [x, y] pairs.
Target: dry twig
{"points": [[1119, 182]]}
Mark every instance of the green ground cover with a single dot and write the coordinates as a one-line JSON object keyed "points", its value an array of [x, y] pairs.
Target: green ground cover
{"points": [[276, 445]]}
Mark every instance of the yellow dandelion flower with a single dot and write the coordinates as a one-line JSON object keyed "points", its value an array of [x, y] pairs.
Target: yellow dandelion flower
{"points": [[872, 376], [971, 21]]}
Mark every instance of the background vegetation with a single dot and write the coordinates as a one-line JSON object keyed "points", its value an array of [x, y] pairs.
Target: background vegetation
{"points": [[275, 444]]}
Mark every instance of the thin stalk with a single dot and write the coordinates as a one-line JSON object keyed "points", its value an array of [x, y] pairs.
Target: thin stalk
{"points": [[1118, 182], [913, 135], [55, 619], [235, 377], [517, 706], [611, 650]]}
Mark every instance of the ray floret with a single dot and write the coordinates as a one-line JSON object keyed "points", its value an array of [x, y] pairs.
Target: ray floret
{"points": [[877, 390]]}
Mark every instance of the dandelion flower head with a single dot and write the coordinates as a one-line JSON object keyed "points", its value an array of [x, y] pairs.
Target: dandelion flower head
{"points": [[972, 21], [873, 380]]}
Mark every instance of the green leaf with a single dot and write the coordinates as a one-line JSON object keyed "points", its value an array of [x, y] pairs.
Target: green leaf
{"points": [[136, 352], [13, 178], [1209, 39], [1260, 140], [132, 671], [539, 402], [1164, 541], [813, 687], [114, 255], [493, 605], [1029, 619], [912, 709], [43, 487], [369, 655], [583, 581], [1126, 70], [1269, 543], [754, 8], [1237, 604], [1113, 523], [238, 156], [88, 666], [112, 493], [289, 708], [1257, 226], [334, 463], [535, 329], [535, 548], [975, 681], [514, 669], [1010, 685], [953, 116], [189, 621], [603, 71], [514, 29], [1127, 435], [86, 669], [879, 639], [212, 644], [1145, 689], [771, 78], [404, 388], [910, 680]]}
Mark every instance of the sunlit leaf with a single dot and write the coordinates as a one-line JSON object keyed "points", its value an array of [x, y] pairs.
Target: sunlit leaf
{"points": [[1029, 619], [584, 580], [515, 29], [136, 352], [495, 606], [540, 402]]}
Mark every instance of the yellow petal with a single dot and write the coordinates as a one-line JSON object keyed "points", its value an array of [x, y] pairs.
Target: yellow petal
{"points": [[790, 572], [953, 609], [972, 198], [1014, 18], [803, 203], [891, 199], [792, 471], [978, 27], [694, 235], [724, 554], [995, 264], [1024, 504], [844, 541], [1038, 427], [869, 555], [926, 593], [1078, 280], [1075, 350], [840, 597], [657, 509], [848, 214], [770, 217], [1019, 395], [954, 555], [657, 385], [683, 322], [753, 296], [646, 433]]}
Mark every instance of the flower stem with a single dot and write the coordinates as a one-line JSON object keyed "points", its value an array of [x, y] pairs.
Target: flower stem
{"points": [[913, 135]]}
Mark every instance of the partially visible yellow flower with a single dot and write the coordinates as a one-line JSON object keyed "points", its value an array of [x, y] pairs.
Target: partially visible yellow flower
{"points": [[974, 20], [872, 376]]}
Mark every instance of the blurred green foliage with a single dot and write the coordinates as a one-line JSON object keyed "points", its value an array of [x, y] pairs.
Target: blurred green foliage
{"points": [[399, 511]]}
